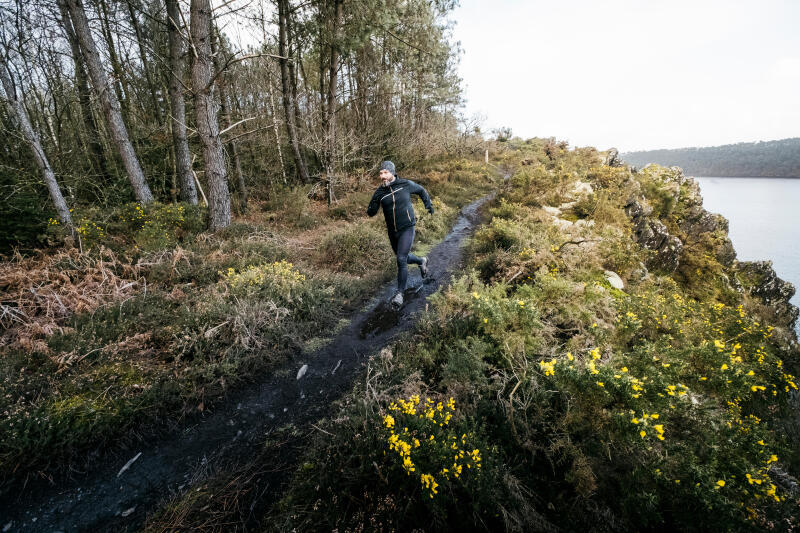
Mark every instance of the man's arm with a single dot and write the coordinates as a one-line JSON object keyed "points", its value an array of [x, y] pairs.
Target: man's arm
{"points": [[420, 191], [374, 204]]}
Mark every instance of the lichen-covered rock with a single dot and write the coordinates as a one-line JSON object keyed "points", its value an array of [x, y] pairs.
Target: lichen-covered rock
{"points": [[581, 188], [637, 208], [726, 255], [760, 280], [691, 193], [640, 272], [668, 256], [698, 219], [653, 235]]}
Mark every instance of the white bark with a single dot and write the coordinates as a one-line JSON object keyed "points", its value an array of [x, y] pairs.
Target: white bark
{"points": [[182, 156], [219, 200], [288, 101], [8, 93], [109, 102]]}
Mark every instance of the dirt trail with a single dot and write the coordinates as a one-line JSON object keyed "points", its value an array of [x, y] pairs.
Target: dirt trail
{"points": [[110, 498]]}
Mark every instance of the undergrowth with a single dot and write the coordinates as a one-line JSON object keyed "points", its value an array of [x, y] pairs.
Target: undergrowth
{"points": [[667, 404], [148, 319]]}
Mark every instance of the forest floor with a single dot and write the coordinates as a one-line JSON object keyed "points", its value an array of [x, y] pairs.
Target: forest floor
{"points": [[119, 487]]}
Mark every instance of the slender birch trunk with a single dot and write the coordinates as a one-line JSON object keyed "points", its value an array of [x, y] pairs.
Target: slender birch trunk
{"points": [[330, 113], [110, 104], [288, 102], [183, 165], [20, 116], [97, 156], [219, 201], [227, 118], [275, 126]]}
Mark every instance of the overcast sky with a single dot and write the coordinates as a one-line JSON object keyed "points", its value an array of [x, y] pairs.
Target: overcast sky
{"points": [[633, 74]]}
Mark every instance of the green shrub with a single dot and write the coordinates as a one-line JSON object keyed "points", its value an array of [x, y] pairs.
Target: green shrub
{"points": [[356, 249], [433, 228], [292, 207]]}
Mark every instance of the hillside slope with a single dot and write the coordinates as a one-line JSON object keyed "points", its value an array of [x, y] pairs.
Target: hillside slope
{"points": [[777, 159], [603, 364]]}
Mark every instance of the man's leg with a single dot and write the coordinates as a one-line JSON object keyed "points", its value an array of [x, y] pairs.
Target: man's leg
{"points": [[413, 259], [404, 241], [393, 240]]}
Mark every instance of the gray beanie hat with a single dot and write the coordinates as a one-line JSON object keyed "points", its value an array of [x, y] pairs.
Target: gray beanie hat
{"points": [[388, 165]]}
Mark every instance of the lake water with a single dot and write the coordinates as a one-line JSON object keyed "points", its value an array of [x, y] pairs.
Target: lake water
{"points": [[764, 220]]}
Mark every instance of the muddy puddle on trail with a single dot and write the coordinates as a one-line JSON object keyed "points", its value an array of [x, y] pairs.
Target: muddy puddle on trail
{"points": [[123, 487], [385, 316]]}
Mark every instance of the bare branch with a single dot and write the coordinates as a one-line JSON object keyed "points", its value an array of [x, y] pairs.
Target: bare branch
{"points": [[235, 124]]}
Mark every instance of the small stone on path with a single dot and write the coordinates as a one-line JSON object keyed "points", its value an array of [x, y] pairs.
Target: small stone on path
{"points": [[614, 280]]}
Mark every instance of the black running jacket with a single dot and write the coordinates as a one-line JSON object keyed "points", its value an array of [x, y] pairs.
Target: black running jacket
{"points": [[395, 199]]}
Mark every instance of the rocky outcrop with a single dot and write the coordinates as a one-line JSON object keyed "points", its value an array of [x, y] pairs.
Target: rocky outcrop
{"points": [[698, 221], [698, 227], [760, 280], [695, 223], [653, 235]]}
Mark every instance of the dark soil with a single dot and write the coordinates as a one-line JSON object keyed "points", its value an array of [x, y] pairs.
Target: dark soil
{"points": [[106, 498]]}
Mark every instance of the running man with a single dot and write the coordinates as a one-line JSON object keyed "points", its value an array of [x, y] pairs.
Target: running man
{"points": [[394, 195]]}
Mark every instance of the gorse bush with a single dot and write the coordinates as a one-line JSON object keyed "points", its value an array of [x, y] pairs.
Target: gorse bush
{"points": [[427, 450], [279, 280], [147, 227], [432, 228], [157, 226], [291, 206]]}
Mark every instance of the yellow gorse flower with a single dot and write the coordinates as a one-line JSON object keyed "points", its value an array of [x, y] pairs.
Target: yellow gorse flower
{"points": [[548, 367], [422, 422]]}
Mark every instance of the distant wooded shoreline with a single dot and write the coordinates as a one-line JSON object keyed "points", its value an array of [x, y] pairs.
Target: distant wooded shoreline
{"points": [[770, 159]]}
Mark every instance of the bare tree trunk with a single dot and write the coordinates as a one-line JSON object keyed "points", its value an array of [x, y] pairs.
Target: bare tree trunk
{"points": [[293, 51], [225, 110], [288, 102], [237, 165], [183, 165], [219, 201], [330, 114], [97, 156], [21, 118], [275, 126], [145, 65], [121, 88], [110, 104], [270, 92]]}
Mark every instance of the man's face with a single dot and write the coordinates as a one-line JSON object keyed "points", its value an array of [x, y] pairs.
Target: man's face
{"points": [[386, 176]]}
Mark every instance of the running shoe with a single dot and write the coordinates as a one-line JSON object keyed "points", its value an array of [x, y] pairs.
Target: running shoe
{"points": [[397, 300]]}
